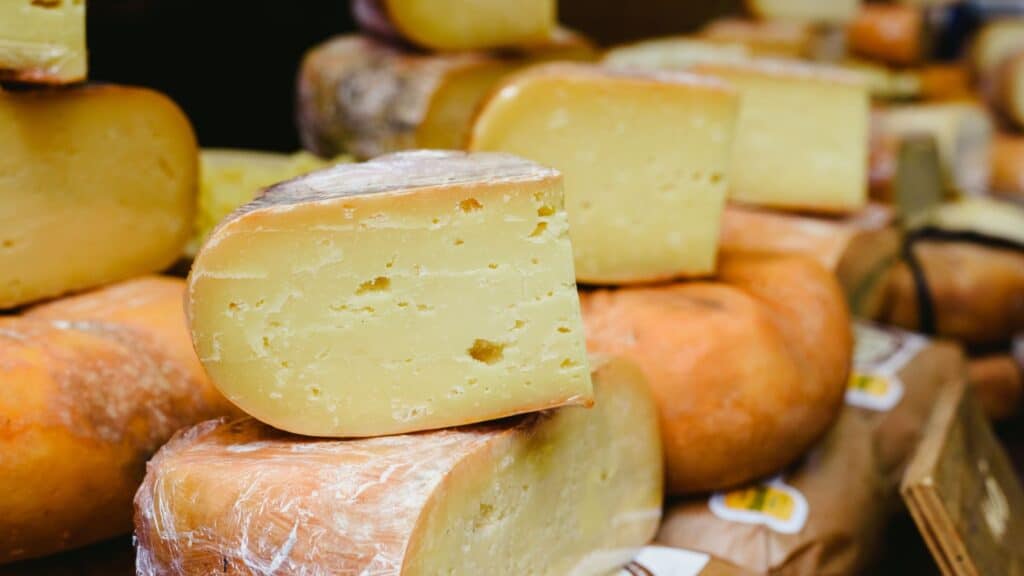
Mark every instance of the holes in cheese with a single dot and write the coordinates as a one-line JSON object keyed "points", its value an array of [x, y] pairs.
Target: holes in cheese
{"points": [[99, 185], [459, 24], [406, 293], [644, 157], [782, 156], [568, 491], [828, 12], [42, 41]]}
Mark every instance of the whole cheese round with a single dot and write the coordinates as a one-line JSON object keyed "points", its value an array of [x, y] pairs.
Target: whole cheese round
{"points": [[748, 371]]}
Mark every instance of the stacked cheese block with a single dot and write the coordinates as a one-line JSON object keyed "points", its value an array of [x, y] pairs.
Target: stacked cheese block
{"points": [[97, 193]]}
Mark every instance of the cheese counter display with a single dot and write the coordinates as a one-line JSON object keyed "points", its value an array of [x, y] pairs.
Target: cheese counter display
{"points": [[512, 287]]}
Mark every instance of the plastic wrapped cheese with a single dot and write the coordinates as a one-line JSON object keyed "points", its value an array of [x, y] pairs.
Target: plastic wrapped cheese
{"points": [[568, 491]]}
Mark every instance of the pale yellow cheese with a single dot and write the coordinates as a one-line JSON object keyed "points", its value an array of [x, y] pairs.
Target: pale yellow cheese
{"points": [[825, 11], [979, 215], [569, 491], [645, 159], [802, 137], [780, 38], [97, 184], [42, 41], [416, 291], [673, 52], [997, 40]]}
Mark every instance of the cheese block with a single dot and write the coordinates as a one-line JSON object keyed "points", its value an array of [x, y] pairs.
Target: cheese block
{"points": [[729, 417], [833, 11], [860, 249], [457, 25], [905, 173], [781, 157], [779, 38], [416, 291], [93, 385], [890, 33], [962, 130], [1010, 86], [975, 292], [42, 42], [644, 202], [998, 383], [229, 178], [997, 40], [1007, 165], [979, 215], [884, 82], [568, 491], [673, 52], [99, 186]]}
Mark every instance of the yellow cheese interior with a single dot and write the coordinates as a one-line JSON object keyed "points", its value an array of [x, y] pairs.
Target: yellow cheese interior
{"points": [[645, 166], [801, 141], [394, 312], [996, 41], [97, 184], [1003, 220], [473, 24], [674, 53], [824, 11], [42, 41], [449, 117], [576, 496]]}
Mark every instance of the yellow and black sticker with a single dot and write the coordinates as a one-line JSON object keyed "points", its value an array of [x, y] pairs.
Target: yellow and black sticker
{"points": [[774, 504], [874, 391]]}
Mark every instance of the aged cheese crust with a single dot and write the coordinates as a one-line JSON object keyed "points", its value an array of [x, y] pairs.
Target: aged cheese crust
{"points": [[748, 371], [548, 493], [93, 386], [1007, 162], [860, 249], [42, 42], [891, 33], [643, 203], [416, 291], [101, 179]]}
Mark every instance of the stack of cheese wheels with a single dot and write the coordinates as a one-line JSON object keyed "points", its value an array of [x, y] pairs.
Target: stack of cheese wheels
{"points": [[417, 314]]}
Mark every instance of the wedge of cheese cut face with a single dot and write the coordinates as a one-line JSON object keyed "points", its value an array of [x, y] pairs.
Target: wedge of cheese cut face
{"points": [[567, 491], [416, 291], [42, 42], [830, 12], [782, 158], [99, 186], [645, 160], [459, 24], [779, 38]]}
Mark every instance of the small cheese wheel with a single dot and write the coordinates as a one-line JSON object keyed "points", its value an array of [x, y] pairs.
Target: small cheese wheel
{"points": [[748, 372], [568, 491], [98, 185], [891, 33], [997, 40], [93, 385]]}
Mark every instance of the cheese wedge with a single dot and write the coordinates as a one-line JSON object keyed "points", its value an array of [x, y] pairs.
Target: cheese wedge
{"points": [[830, 11], [416, 291], [860, 249], [230, 178], [889, 33], [997, 40], [457, 24], [1007, 162], [98, 185], [962, 130], [644, 202], [42, 42], [884, 82], [93, 386], [782, 157], [568, 491], [674, 53], [779, 38]]}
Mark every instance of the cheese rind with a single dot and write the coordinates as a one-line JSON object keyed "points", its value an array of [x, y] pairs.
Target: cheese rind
{"points": [[93, 385], [781, 157], [569, 491], [42, 42], [99, 185], [890, 33], [1010, 89], [673, 52], [416, 291], [645, 159], [1007, 165]]}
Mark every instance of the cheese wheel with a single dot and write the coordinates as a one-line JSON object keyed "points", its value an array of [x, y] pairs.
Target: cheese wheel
{"points": [[1007, 163], [1009, 87], [93, 386], [748, 371], [976, 292], [996, 41], [568, 491], [998, 383], [890, 33], [98, 185], [42, 42]]}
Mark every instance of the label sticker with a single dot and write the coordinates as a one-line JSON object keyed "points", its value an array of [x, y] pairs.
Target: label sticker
{"points": [[774, 504], [663, 561], [879, 355], [874, 391]]}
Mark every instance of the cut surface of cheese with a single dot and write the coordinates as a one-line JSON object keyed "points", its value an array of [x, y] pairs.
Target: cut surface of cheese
{"points": [[996, 41], [673, 52], [644, 202], [860, 249], [962, 130], [748, 371], [229, 178], [98, 185], [459, 24], [42, 42], [830, 12], [980, 215], [416, 291], [1007, 162], [890, 33], [778, 38], [781, 157], [93, 385], [568, 491]]}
